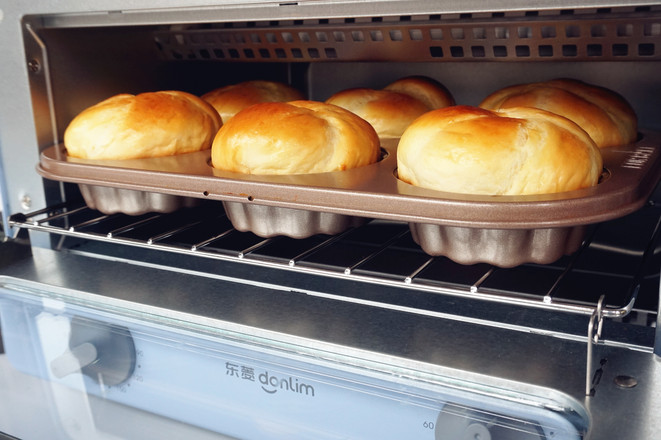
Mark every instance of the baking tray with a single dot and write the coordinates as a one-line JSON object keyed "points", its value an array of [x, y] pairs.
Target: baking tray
{"points": [[630, 175]]}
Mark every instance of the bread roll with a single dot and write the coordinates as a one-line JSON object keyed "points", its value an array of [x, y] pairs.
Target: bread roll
{"points": [[294, 138], [432, 93], [153, 124], [393, 108], [229, 100], [605, 115], [514, 151]]}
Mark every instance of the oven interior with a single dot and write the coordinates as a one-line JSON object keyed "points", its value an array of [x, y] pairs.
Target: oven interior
{"points": [[74, 61], [76, 65]]}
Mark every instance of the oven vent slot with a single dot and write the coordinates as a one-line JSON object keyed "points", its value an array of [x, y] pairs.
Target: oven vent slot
{"points": [[383, 253], [568, 36]]}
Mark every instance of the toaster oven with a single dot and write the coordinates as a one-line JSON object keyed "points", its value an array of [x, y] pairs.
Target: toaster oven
{"points": [[132, 307]]}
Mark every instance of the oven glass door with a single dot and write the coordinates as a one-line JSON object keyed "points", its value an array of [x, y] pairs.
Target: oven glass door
{"points": [[252, 385]]}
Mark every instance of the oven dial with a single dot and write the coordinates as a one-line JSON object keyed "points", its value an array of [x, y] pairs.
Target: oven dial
{"points": [[102, 351]]}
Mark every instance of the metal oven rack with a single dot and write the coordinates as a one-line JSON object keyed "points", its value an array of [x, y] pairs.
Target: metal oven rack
{"points": [[383, 253], [602, 280]]}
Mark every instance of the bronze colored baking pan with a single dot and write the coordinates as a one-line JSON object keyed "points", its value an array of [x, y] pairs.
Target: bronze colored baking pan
{"points": [[501, 230]]}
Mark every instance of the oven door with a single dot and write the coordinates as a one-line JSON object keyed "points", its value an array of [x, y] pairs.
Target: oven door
{"points": [[250, 359]]}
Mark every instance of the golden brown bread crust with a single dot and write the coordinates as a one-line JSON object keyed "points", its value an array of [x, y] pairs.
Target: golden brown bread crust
{"points": [[605, 115], [432, 93], [514, 151], [231, 99], [153, 124], [297, 137], [393, 108]]}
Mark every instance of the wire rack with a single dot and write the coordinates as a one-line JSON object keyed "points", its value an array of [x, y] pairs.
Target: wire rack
{"points": [[609, 264]]}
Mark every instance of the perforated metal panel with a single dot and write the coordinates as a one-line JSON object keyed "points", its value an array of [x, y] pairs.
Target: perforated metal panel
{"points": [[603, 34]]}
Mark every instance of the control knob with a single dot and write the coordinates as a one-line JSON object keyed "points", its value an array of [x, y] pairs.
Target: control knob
{"points": [[104, 352]]}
